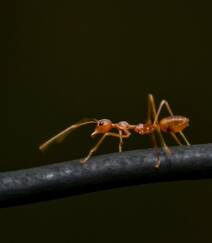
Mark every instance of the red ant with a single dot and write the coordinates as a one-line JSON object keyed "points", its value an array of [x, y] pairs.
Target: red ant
{"points": [[172, 124]]}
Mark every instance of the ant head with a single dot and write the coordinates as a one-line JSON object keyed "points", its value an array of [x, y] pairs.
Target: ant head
{"points": [[103, 126]]}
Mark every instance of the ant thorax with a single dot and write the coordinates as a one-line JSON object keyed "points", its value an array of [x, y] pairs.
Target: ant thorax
{"points": [[122, 125]]}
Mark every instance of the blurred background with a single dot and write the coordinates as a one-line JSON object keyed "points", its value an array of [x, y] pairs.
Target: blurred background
{"points": [[73, 59]]}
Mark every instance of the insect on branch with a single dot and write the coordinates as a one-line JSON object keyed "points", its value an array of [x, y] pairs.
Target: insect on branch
{"points": [[172, 124]]}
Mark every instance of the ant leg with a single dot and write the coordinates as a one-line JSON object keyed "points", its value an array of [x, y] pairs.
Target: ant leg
{"points": [[153, 140], [93, 149], [155, 145], [98, 144], [152, 109], [150, 114], [176, 138], [149, 110], [164, 102], [121, 136], [184, 138], [120, 141]]}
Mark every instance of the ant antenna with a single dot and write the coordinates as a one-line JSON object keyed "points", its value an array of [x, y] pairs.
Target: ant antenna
{"points": [[62, 135]]}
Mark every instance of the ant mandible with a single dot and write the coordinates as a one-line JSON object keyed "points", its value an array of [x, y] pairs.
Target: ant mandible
{"points": [[172, 124]]}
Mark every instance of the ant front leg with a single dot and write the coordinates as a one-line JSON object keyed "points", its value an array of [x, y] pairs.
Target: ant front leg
{"points": [[94, 149]]}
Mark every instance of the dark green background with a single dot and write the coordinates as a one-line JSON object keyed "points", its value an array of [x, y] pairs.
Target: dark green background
{"points": [[75, 59]]}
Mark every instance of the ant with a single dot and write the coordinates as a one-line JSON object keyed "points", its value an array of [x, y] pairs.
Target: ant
{"points": [[172, 124]]}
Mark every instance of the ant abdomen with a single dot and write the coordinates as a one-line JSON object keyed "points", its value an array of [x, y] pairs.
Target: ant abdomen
{"points": [[173, 123]]}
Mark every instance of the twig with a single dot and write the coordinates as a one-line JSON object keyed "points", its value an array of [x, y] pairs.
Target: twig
{"points": [[104, 172]]}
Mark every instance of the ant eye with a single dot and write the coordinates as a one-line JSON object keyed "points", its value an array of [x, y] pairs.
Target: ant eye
{"points": [[104, 122]]}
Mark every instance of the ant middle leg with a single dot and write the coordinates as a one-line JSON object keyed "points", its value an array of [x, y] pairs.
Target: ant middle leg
{"points": [[120, 140], [122, 134]]}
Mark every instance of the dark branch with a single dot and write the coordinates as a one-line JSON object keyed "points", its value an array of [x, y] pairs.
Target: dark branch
{"points": [[104, 172]]}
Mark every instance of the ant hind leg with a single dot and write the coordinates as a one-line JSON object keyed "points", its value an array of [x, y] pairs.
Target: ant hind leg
{"points": [[184, 138], [176, 138], [155, 145], [152, 112], [166, 104]]}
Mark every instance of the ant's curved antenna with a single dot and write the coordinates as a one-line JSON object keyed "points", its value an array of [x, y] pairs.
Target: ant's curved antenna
{"points": [[58, 138]]}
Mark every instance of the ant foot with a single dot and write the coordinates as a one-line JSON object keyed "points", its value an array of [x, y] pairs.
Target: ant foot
{"points": [[83, 161], [157, 165]]}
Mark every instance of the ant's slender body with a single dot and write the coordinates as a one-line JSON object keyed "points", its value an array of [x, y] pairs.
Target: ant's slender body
{"points": [[172, 124]]}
